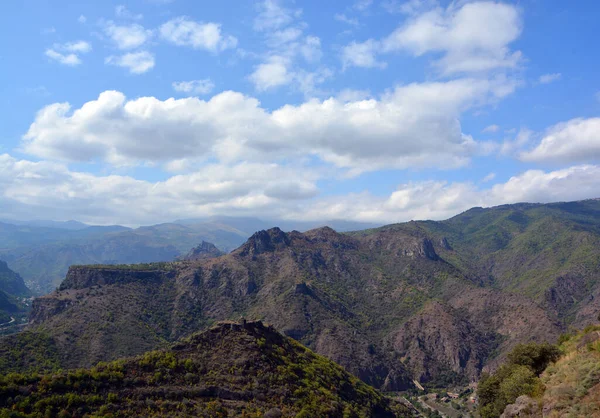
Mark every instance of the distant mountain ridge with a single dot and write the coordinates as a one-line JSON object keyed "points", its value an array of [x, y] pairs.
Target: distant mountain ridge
{"points": [[42, 251]]}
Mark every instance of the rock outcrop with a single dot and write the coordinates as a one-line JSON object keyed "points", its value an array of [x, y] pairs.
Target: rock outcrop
{"points": [[203, 251]]}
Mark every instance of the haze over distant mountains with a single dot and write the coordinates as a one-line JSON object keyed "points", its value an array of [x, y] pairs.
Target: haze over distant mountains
{"points": [[41, 251]]}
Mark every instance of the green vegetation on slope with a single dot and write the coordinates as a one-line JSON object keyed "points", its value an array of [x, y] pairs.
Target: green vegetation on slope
{"points": [[230, 370], [573, 382], [561, 381], [518, 376]]}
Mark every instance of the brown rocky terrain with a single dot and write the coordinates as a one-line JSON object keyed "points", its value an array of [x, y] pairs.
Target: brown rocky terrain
{"points": [[435, 301]]}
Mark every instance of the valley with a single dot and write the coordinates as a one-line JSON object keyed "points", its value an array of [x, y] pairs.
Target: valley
{"points": [[436, 303]]}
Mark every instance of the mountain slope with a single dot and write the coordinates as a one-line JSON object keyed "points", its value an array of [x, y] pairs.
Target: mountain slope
{"points": [[360, 301], [549, 253], [434, 301], [11, 288], [232, 369], [568, 384], [11, 282]]}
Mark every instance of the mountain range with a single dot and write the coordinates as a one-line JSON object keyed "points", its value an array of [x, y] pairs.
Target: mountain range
{"points": [[42, 251], [433, 302]]}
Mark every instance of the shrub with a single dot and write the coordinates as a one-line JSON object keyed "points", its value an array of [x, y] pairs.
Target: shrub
{"points": [[519, 376]]}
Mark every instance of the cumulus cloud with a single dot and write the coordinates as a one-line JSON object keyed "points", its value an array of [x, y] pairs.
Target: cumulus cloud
{"points": [[441, 200], [549, 78], [413, 126], [65, 59], [363, 54], [472, 37], [271, 73], [68, 53], [136, 62], [204, 86], [577, 140], [183, 31], [127, 36], [35, 189]]}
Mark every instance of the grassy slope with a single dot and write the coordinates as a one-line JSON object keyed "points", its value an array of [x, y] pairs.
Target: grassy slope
{"points": [[573, 383]]}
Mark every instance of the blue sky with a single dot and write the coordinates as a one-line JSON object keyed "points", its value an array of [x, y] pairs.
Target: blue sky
{"points": [[385, 110]]}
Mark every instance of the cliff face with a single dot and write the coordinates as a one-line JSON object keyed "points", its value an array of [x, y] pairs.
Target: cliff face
{"points": [[81, 277]]}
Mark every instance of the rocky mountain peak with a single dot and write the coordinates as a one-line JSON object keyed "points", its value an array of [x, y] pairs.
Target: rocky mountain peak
{"points": [[264, 241], [203, 251]]}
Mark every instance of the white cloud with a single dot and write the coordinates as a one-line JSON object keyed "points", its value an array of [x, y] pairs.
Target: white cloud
{"points": [[340, 17], [204, 86], [122, 12], [43, 189], [577, 140], [281, 69], [473, 37], [283, 37], [441, 200], [413, 126], [65, 59], [290, 52], [136, 62], [67, 53], [34, 189], [512, 147], [82, 19], [77, 47], [549, 78], [272, 73], [362, 55], [183, 31], [310, 49], [273, 16], [127, 36], [491, 129]]}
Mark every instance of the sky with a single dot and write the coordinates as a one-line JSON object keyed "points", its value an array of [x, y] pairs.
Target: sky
{"points": [[382, 111]]}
